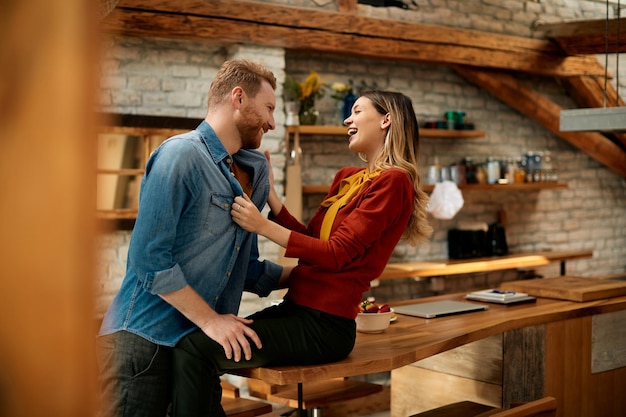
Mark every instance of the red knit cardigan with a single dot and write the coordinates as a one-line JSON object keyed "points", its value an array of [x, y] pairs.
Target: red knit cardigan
{"points": [[332, 275]]}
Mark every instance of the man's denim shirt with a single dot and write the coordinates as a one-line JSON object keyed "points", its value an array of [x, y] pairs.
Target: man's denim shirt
{"points": [[184, 234]]}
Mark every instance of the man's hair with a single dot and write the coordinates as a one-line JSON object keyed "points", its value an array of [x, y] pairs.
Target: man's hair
{"points": [[239, 72]]}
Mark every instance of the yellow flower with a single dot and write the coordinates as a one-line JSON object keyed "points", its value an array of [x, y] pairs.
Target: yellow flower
{"points": [[340, 90], [311, 87], [341, 87]]}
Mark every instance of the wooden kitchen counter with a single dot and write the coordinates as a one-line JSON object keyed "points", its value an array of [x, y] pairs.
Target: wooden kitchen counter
{"points": [[563, 370], [431, 268], [410, 339]]}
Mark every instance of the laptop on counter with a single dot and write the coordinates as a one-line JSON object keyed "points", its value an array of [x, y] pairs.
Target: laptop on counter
{"points": [[441, 308]]}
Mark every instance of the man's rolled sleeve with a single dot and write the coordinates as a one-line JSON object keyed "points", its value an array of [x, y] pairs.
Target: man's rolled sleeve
{"points": [[168, 280]]}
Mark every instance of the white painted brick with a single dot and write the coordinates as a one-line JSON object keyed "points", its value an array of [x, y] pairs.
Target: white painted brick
{"points": [[143, 83], [556, 238], [126, 98], [173, 85], [185, 71], [154, 100], [200, 85], [533, 7], [113, 82], [185, 99]]}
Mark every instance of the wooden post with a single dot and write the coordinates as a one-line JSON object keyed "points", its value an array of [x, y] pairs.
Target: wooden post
{"points": [[48, 56]]}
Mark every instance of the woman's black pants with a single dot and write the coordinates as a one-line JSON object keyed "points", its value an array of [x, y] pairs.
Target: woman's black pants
{"points": [[290, 334]]}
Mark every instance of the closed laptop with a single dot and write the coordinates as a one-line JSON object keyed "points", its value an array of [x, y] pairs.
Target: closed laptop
{"points": [[432, 309]]}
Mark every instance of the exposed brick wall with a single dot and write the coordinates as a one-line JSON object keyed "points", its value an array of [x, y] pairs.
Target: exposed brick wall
{"points": [[161, 77]]}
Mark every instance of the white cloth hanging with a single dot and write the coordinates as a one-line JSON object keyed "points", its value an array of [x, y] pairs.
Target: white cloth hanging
{"points": [[445, 201]]}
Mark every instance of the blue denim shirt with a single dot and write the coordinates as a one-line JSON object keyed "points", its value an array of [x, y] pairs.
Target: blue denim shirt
{"points": [[184, 234]]}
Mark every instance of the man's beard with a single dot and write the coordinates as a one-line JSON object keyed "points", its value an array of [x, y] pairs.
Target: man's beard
{"points": [[249, 126]]}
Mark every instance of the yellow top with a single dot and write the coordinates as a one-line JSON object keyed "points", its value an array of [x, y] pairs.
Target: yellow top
{"points": [[348, 188]]}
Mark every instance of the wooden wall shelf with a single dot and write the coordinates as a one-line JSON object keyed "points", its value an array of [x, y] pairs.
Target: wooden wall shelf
{"points": [[151, 130], [446, 267], [324, 188], [318, 130], [425, 133], [451, 134], [324, 130], [506, 187]]}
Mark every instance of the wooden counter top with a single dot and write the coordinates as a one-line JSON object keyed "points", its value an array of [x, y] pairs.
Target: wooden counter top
{"points": [[440, 267], [410, 339]]}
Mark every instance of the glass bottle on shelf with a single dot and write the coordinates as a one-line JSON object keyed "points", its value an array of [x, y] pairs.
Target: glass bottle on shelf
{"points": [[493, 170], [509, 168], [549, 173], [481, 174], [533, 166], [457, 173], [519, 177], [470, 170]]}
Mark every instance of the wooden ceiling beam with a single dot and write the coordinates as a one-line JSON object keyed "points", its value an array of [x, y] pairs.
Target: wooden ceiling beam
{"points": [[476, 55], [588, 37], [591, 91], [342, 33], [537, 107]]}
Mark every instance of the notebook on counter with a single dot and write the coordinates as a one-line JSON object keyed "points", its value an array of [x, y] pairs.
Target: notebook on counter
{"points": [[500, 296], [441, 308]]}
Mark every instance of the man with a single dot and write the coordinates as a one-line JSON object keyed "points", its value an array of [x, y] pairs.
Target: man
{"points": [[188, 262]]}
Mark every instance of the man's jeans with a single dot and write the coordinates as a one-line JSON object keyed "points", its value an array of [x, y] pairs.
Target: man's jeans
{"points": [[135, 376]]}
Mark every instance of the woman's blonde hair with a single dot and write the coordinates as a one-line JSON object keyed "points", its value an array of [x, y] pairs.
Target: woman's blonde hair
{"points": [[401, 150]]}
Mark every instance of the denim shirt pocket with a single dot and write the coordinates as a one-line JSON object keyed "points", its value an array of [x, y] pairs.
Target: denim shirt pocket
{"points": [[218, 219]]}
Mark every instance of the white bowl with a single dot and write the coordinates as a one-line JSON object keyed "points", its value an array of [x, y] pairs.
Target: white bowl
{"points": [[372, 322]]}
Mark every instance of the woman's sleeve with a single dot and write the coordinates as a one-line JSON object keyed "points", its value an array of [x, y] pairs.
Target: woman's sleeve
{"points": [[287, 220]]}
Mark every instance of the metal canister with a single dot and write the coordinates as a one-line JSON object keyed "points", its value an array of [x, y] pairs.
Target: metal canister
{"points": [[533, 163]]}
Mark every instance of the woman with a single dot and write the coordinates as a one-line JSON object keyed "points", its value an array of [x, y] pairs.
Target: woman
{"points": [[346, 245]]}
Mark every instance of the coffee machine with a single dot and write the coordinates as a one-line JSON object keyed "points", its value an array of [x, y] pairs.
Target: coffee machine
{"points": [[476, 239]]}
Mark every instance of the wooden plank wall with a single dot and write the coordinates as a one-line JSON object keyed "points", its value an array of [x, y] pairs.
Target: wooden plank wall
{"points": [[568, 373]]}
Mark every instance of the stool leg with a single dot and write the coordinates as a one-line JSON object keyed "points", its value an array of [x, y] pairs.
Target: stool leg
{"points": [[301, 410]]}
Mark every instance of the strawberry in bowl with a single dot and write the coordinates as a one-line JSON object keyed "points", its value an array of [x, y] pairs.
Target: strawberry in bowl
{"points": [[372, 317]]}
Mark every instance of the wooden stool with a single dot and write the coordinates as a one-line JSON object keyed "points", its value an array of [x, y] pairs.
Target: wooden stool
{"points": [[544, 407], [314, 394], [235, 406], [245, 407], [460, 409]]}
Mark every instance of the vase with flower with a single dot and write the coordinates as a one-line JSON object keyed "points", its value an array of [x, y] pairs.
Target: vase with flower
{"points": [[344, 95], [308, 113], [306, 93]]}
